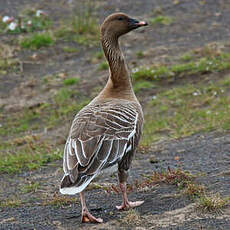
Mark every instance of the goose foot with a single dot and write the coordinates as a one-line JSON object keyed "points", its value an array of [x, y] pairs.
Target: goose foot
{"points": [[87, 217], [128, 204]]}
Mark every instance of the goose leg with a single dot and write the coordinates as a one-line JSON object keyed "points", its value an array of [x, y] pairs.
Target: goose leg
{"points": [[126, 204], [86, 216]]}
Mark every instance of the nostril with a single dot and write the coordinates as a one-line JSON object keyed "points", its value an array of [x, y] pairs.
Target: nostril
{"points": [[133, 21]]}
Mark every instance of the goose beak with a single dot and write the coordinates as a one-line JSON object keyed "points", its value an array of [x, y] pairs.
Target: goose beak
{"points": [[142, 23], [135, 23]]}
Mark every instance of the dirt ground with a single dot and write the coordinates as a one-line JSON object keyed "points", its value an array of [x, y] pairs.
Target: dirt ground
{"points": [[206, 155]]}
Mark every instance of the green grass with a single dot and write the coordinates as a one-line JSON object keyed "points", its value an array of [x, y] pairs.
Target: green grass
{"points": [[163, 20], [2, 26], [20, 122], [61, 107], [140, 54], [37, 40], [140, 85], [31, 187], [103, 66], [212, 203], [186, 57], [8, 65], [58, 201], [131, 217], [40, 23], [83, 28], [71, 81], [13, 202], [199, 66], [29, 152], [186, 182], [30, 155], [68, 49], [99, 55], [185, 110]]}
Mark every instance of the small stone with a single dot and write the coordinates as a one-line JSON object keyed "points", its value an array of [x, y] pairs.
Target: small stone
{"points": [[153, 160], [56, 222]]}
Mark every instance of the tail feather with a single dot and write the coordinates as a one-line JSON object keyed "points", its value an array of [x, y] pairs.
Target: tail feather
{"points": [[66, 181], [70, 188]]}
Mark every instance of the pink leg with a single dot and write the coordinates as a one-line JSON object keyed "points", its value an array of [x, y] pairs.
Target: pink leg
{"points": [[125, 203], [86, 216]]}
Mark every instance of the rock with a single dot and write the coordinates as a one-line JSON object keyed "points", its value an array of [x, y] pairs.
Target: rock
{"points": [[153, 159]]}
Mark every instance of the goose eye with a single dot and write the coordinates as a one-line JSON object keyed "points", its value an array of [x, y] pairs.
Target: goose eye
{"points": [[120, 18]]}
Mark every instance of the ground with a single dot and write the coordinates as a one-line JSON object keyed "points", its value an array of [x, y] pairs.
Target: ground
{"points": [[180, 66]]}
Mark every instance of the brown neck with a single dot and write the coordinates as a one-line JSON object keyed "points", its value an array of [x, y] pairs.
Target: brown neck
{"points": [[119, 81]]}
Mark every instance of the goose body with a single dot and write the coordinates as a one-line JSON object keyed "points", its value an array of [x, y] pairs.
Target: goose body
{"points": [[102, 135], [106, 132]]}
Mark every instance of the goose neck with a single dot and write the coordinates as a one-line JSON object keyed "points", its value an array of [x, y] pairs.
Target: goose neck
{"points": [[119, 76]]}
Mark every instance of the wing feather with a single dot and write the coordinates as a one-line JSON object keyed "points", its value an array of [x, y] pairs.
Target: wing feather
{"points": [[100, 137]]}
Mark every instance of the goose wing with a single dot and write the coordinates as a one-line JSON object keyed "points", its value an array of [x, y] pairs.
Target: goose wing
{"points": [[100, 136]]}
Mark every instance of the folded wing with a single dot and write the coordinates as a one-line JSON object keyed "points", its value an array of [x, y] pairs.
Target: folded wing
{"points": [[100, 136]]}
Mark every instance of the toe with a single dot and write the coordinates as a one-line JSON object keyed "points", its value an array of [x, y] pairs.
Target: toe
{"points": [[128, 205], [89, 218], [120, 207], [136, 203], [99, 220]]}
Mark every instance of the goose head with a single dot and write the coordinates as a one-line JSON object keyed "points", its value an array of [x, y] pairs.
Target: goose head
{"points": [[118, 24]]}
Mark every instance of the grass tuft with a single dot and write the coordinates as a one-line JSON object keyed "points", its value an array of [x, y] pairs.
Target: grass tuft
{"points": [[200, 66], [99, 55], [194, 190], [71, 81], [140, 85], [31, 187], [9, 65], [31, 155], [103, 66], [68, 49], [37, 40], [83, 28], [132, 217], [163, 20], [185, 110], [60, 201], [212, 203], [10, 203], [140, 54]]}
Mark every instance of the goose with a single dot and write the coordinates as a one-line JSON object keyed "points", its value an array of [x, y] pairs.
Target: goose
{"points": [[106, 132]]}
